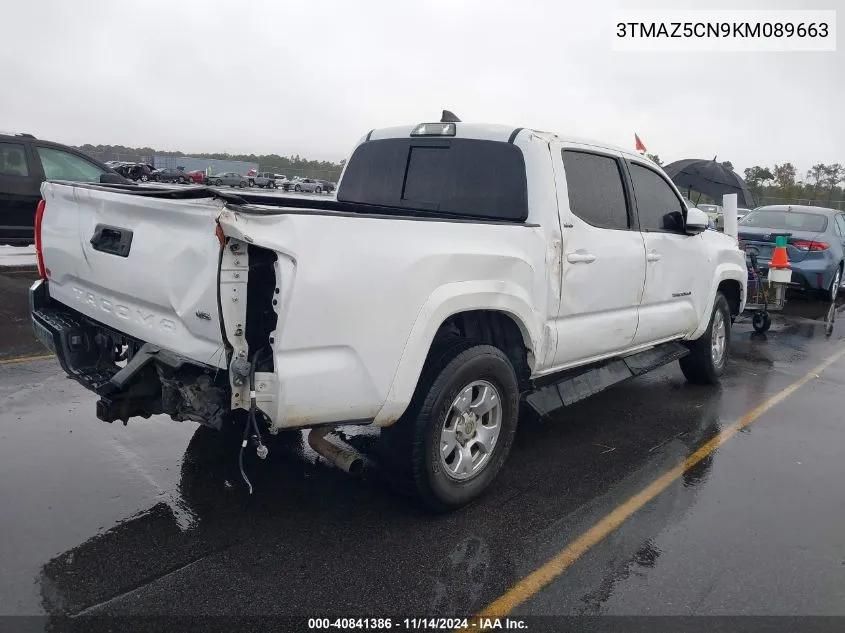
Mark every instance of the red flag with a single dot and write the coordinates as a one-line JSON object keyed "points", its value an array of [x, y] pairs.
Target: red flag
{"points": [[639, 144]]}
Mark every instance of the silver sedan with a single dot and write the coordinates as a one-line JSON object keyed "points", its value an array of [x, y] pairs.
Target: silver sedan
{"points": [[228, 178], [306, 184]]}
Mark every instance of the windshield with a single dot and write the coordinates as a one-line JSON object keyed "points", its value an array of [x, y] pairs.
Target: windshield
{"points": [[786, 220]]}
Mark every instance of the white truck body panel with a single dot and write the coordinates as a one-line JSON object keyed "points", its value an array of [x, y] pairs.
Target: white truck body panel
{"points": [[154, 294], [361, 297]]}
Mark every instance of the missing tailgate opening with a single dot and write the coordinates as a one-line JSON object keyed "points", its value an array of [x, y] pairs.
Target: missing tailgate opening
{"points": [[262, 298]]}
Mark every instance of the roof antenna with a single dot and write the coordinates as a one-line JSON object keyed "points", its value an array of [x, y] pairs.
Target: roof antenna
{"points": [[449, 117]]}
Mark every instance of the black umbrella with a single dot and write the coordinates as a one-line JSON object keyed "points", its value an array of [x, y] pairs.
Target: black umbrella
{"points": [[710, 178]]}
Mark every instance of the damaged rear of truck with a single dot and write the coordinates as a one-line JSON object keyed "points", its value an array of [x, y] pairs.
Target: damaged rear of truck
{"points": [[288, 313], [448, 278]]}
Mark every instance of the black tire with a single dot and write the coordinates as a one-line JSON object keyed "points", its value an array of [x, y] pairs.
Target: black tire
{"points": [[699, 366], [144, 178], [761, 322], [318, 190], [241, 184], [157, 178], [410, 448], [297, 188], [218, 182]]}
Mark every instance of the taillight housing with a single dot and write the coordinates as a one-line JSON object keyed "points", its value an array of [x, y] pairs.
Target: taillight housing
{"points": [[39, 256], [804, 245]]}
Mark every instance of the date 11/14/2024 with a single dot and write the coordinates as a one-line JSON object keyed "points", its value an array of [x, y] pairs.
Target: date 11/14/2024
{"points": [[418, 624]]}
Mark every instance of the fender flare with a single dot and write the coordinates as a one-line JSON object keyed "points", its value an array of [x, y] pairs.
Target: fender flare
{"points": [[446, 301], [724, 272]]}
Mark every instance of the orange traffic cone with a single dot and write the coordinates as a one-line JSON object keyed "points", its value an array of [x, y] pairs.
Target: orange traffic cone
{"points": [[779, 257]]}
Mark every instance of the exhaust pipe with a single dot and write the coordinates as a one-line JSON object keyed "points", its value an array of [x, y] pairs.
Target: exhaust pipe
{"points": [[344, 458]]}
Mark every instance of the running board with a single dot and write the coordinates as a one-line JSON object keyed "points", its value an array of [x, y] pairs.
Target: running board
{"points": [[582, 383]]}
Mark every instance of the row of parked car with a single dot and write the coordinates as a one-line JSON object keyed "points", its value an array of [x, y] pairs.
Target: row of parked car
{"points": [[269, 180], [141, 172]]}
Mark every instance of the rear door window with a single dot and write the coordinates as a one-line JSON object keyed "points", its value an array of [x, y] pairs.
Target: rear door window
{"points": [[453, 177], [13, 160], [596, 192]]}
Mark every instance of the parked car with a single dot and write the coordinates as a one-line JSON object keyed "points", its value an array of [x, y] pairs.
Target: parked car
{"points": [[169, 174], [279, 328], [196, 176], [306, 184], [25, 163], [263, 179], [327, 186], [138, 172], [815, 243], [228, 178]]}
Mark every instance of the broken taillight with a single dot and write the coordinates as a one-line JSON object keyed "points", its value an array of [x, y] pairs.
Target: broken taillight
{"points": [[39, 255]]}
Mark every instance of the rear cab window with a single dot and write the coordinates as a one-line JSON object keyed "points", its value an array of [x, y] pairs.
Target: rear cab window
{"points": [[457, 177]]}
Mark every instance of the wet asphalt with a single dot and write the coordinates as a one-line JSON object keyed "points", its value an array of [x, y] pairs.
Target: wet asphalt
{"points": [[152, 518]]}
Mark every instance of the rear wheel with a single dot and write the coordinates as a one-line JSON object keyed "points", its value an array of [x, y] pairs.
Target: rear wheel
{"points": [[708, 355], [218, 182], [836, 283], [318, 190], [457, 432], [241, 184], [297, 188]]}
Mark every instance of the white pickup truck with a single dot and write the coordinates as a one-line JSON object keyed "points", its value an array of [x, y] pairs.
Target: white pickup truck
{"points": [[460, 269]]}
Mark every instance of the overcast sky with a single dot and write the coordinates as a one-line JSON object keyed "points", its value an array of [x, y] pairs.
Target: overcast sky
{"points": [[311, 77]]}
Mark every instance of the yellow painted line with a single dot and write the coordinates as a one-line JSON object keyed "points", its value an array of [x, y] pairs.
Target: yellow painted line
{"points": [[25, 359], [537, 580]]}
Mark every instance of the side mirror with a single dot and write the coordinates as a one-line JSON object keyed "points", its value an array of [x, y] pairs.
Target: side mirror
{"points": [[697, 221]]}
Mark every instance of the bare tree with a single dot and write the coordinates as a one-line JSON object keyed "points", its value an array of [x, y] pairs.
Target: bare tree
{"points": [[816, 176]]}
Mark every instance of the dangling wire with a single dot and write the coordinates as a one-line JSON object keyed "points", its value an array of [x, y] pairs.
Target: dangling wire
{"points": [[252, 422]]}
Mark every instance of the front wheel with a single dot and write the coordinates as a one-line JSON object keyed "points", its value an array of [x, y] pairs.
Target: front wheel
{"points": [[708, 355], [297, 188], [218, 182], [241, 184], [457, 432], [318, 190]]}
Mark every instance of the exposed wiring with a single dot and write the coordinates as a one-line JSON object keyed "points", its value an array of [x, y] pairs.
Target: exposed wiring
{"points": [[252, 422]]}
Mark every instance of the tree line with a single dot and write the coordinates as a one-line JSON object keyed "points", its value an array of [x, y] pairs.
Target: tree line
{"points": [[820, 184]]}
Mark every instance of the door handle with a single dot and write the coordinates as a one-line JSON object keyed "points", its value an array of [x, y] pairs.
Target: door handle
{"points": [[112, 240], [654, 256], [580, 257]]}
